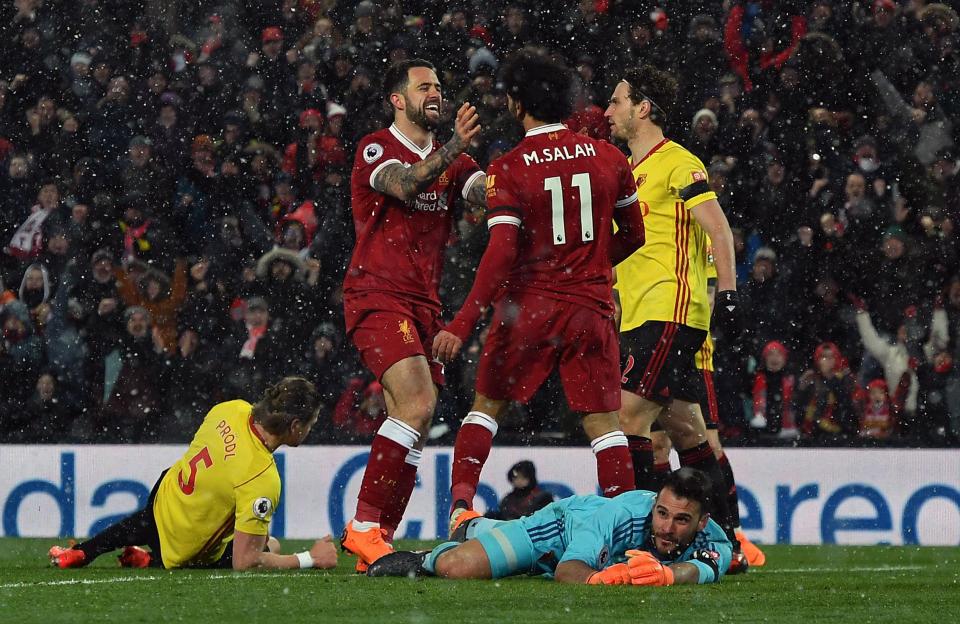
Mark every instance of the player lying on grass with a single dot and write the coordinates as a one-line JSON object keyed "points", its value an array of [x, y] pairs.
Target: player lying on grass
{"points": [[637, 538], [212, 508]]}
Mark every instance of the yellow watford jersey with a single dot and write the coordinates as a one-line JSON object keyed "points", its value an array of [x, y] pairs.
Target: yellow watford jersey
{"points": [[666, 279], [226, 481], [705, 354]]}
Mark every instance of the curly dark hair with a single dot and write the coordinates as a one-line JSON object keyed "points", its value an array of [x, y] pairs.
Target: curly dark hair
{"points": [[398, 75], [290, 399], [691, 484], [656, 86], [542, 85]]}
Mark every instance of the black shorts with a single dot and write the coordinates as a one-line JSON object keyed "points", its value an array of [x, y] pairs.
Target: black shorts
{"points": [[152, 538], [707, 402], [658, 361]]}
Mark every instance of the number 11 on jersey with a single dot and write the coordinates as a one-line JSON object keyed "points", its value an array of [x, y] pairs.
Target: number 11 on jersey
{"points": [[554, 186]]}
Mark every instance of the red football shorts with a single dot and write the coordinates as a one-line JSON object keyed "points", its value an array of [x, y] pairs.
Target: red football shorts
{"points": [[530, 335], [384, 337]]}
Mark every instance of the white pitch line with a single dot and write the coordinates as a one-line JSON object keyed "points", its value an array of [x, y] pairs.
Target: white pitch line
{"points": [[248, 575], [128, 579], [860, 569], [119, 579]]}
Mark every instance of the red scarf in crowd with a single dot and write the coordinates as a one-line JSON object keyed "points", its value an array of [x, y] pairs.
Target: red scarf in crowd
{"points": [[254, 334], [786, 407]]}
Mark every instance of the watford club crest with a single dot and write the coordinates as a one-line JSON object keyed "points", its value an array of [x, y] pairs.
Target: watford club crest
{"points": [[405, 331], [641, 179]]}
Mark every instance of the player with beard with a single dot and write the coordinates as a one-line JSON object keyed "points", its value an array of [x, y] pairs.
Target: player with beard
{"points": [[637, 538], [404, 186]]}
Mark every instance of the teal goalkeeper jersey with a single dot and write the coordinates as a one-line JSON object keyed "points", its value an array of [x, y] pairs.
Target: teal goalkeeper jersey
{"points": [[599, 531]]}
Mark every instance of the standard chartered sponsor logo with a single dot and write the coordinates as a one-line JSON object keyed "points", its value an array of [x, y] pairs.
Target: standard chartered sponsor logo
{"points": [[430, 202]]}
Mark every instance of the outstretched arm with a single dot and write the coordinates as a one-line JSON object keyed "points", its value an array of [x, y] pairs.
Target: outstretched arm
{"points": [[405, 182], [248, 553]]}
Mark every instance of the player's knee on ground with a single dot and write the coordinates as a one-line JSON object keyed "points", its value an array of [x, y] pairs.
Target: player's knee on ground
{"points": [[461, 563]]}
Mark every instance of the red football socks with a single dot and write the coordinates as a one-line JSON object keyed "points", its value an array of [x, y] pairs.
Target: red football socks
{"points": [[392, 514], [470, 453], [614, 466], [385, 469]]}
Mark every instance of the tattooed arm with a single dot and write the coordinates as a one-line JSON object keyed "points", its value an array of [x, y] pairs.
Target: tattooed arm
{"points": [[476, 196], [405, 182]]}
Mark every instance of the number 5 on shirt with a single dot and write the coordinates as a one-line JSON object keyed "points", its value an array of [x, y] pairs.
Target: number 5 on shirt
{"points": [[188, 487]]}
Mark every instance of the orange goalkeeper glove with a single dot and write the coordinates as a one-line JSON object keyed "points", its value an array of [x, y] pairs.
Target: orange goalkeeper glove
{"points": [[645, 569], [618, 574]]}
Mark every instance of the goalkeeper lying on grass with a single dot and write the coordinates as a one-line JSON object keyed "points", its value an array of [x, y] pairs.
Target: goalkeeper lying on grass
{"points": [[637, 538]]}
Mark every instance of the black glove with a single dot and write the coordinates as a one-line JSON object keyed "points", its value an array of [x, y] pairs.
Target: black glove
{"points": [[726, 313]]}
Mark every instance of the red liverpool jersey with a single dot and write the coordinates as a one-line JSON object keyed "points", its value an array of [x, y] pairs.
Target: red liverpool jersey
{"points": [[563, 190], [400, 245]]}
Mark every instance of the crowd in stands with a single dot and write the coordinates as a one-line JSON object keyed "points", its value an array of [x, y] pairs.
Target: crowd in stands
{"points": [[175, 211]]}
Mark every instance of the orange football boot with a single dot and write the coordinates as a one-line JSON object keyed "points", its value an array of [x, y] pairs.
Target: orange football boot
{"points": [[65, 558], [368, 546], [460, 516], [134, 557], [754, 555]]}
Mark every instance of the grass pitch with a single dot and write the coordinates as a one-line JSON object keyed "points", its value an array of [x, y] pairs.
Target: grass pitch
{"points": [[798, 584]]}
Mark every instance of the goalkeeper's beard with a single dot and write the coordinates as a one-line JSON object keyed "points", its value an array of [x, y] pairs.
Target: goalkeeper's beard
{"points": [[666, 545]]}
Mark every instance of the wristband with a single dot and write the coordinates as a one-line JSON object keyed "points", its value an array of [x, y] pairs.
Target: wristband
{"points": [[306, 559]]}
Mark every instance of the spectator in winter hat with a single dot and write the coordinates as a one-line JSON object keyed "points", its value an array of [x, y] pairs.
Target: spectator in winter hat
{"points": [[153, 292], [35, 287], [130, 383], [704, 141], [878, 415], [767, 311], [526, 496], [773, 387], [142, 174], [325, 363], [256, 350], [824, 398], [21, 357]]}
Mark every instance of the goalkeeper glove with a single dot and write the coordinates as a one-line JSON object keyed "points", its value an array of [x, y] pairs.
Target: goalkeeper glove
{"points": [[726, 313], [645, 569], [618, 574]]}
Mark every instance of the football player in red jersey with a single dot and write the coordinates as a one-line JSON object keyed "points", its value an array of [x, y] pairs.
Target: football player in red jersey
{"points": [[404, 185], [551, 206]]}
